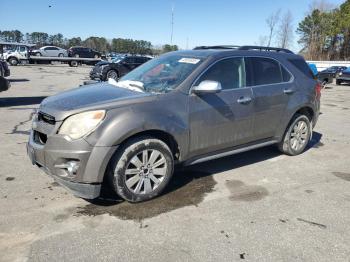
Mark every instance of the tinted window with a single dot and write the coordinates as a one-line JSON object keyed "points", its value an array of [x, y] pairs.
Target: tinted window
{"points": [[140, 60], [263, 71], [229, 72], [129, 60], [302, 67], [22, 49]]}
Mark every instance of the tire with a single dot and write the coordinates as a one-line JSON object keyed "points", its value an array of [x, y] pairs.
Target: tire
{"points": [[76, 55], [301, 126], [324, 83], [73, 63], [338, 82], [112, 74], [141, 183], [13, 61], [96, 56], [37, 54], [60, 55]]}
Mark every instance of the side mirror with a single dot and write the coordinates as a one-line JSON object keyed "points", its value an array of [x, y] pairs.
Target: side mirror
{"points": [[207, 86]]}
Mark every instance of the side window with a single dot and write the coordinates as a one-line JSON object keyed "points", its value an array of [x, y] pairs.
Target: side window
{"points": [[229, 72], [286, 76], [22, 49], [130, 60], [263, 71]]}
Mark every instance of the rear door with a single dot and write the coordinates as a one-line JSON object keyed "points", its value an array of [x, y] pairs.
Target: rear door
{"points": [[225, 119], [272, 87]]}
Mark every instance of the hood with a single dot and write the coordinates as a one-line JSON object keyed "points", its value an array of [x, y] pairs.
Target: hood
{"points": [[102, 63], [88, 97]]}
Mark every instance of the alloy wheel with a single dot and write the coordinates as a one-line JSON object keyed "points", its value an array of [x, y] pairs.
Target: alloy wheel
{"points": [[145, 171], [299, 135]]}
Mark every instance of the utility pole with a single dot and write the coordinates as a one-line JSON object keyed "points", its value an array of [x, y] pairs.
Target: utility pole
{"points": [[172, 23]]}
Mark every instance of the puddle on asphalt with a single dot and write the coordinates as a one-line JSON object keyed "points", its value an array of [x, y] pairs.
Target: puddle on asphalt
{"points": [[186, 189], [342, 175], [242, 192]]}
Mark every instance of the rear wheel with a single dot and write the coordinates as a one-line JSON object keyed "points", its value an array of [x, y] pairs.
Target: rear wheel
{"points": [[338, 82], [297, 136], [96, 56], [60, 55], [38, 54], [76, 55], [141, 169], [73, 63]]}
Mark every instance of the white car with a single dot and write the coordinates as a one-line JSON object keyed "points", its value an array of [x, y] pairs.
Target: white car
{"points": [[52, 51]]}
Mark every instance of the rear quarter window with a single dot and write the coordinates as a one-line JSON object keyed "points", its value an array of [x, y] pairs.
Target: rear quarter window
{"points": [[301, 65]]}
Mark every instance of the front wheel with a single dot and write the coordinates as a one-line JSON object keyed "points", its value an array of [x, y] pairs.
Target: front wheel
{"points": [[338, 82], [141, 169], [60, 55], [112, 74], [13, 61], [297, 136]]}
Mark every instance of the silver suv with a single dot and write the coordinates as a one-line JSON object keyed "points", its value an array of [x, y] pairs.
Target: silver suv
{"points": [[183, 107]]}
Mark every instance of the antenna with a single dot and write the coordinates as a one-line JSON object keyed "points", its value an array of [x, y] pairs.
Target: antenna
{"points": [[172, 23]]}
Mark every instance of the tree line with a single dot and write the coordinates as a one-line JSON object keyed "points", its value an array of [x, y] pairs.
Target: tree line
{"points": [[118, 45], [325, 33]]}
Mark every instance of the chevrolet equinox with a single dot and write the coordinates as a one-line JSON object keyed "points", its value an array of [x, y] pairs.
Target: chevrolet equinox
{"points": [[183, 107]]}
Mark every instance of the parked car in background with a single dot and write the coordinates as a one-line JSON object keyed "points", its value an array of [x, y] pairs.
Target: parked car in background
{"points": [[117, 68], [79, 51], [52, 51], [334, 71], [324, 77], [344, 77], [184, 107]]}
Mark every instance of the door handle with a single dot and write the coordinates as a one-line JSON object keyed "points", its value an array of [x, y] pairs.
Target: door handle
{"points": [[244, 100], [288, 91]]}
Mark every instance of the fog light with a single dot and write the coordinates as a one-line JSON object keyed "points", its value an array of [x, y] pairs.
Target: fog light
{"points": [[71, 167]]}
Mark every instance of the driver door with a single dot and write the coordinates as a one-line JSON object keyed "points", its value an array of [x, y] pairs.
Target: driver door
{"points": [[225, 119]]}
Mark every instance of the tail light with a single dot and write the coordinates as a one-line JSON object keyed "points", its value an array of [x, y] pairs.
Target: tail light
{"points": [[318, 88]]}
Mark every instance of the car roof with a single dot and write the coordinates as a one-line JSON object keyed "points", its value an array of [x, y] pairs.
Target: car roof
{"points": [[218, 53]]}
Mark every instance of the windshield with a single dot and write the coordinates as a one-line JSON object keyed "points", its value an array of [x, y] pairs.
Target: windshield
{"points": [[163, 74]]}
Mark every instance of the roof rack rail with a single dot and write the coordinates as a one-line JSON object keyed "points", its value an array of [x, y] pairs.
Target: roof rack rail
{"points": [[217, 47], [265, 48]]}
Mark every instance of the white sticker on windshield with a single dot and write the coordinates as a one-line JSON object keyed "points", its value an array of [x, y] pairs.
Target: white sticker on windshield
{"points": [[189, 60]]}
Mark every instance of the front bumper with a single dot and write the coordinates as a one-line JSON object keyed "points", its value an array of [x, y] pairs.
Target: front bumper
{"points": [[74, 164], [96, 75]]}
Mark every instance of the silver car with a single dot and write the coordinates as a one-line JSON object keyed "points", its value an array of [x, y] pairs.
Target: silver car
{"points": [[52, 51]]}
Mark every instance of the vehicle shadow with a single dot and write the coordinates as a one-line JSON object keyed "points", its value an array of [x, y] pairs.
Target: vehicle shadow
{"points": [[13, 80], [188, 186], [200, 175], [21, 101]]}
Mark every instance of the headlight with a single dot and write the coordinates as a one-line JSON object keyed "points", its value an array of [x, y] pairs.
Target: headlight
{"points": [[79, 125], [340, 73]]}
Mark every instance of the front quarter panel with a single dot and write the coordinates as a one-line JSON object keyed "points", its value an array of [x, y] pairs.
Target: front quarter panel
{"points": [[166, 113]]}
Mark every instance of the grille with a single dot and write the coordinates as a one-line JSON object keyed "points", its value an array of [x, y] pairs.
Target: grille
{"points": [[46, 118]]}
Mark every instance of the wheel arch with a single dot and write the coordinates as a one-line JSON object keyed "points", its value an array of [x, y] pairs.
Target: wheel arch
{"points": [[162, 135]]}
